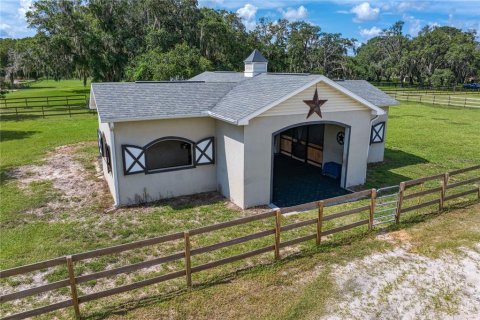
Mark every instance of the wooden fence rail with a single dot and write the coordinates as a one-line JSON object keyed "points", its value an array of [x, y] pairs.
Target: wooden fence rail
{"points": [[436, 98], [17, 108], [443, 184], [188, 252]]}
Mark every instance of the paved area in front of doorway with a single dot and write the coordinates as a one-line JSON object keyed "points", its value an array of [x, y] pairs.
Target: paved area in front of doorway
{"points": [[296, 182]]}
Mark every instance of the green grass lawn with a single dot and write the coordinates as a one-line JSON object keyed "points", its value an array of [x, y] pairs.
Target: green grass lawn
{"points": [[421, 140], [48, 88], [426, 140]]}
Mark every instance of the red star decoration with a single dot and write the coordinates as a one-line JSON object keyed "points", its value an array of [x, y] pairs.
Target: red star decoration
{"points": [[315, 105]]}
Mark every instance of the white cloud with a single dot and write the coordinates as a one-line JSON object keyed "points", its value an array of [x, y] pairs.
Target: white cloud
{"points": [[294, 14], [370, 33], [414, 24], [4, 26], [24, 8], [402, 6], [410, 5], [13, 21], [364, 12], [248, 15]]}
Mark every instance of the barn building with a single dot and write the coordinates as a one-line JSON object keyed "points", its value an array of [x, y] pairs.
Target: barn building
{"points": [[256, 137]]}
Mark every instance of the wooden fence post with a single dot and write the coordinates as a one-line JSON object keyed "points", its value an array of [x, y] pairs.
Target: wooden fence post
{"points": [[321, 205], [444, 190], [278, 215], [73, 286], [69, 108], [48, 106], [400, 201], [188, 260], [373, 199]]}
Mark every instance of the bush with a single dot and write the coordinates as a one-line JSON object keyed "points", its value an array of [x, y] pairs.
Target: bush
{"points": [[442, 78]]}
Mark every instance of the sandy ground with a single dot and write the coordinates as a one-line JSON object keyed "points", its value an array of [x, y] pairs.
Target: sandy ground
{"points": [[75, 185], [404, 285]]}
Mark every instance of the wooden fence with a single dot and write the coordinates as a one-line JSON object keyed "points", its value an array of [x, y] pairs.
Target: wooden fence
{"points": [[363, 201], [407, 86], [446, 99], [35, 107]]}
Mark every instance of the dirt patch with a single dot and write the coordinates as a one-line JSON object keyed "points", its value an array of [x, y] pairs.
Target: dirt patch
{"points": [[400, 237], [77, 186], [407, 285]]}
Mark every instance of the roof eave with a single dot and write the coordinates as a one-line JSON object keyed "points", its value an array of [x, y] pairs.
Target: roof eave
{"points": [[155, 118], [225, 119]]}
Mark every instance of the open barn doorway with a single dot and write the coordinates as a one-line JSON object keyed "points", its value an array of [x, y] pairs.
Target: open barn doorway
{"points": [[309, 163]]}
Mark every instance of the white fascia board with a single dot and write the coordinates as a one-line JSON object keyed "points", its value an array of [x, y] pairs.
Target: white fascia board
{"points": [[218, 117], [92, 103], [377, 110], [156, 118]]}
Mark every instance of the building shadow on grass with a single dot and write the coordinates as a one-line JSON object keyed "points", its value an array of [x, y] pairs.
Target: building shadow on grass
{"points": [[8, 135], [183, 202], [20, 117], [85, 91], [381, 174]]}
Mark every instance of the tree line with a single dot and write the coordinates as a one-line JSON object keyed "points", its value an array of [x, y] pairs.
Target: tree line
{"points": [[175, 39]]}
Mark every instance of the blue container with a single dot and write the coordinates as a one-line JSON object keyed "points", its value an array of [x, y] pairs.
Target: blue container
{"points": [[332, 170]]}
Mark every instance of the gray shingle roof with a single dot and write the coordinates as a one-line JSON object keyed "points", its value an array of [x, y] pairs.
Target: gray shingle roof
{"points": [[127, 101], [368, 92], [225, 95], [257, 92], [219, 76], [255, 56]]}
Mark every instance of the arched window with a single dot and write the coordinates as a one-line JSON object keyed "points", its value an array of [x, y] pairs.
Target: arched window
{"points": [[108, 158], [168, 154], [101, 141]]}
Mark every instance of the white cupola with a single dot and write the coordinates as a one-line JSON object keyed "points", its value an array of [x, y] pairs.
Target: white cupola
{"points": [[255, 63]]}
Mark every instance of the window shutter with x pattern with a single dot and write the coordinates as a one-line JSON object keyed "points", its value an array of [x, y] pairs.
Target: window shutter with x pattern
{"points": [[204, 151], [378, 133], [133, 159]]}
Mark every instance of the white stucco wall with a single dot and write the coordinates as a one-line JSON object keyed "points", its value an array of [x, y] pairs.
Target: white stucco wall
{"points": [[230, 161], [332, 150], [339, 109], [377, 150], [141, 187], [105, 129]]}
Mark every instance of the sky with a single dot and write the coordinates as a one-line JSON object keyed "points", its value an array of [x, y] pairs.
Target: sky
{"points": [[357, 19]]}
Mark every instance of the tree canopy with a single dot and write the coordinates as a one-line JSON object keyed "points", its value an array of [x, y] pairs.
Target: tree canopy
{"points": [[175, 39]]}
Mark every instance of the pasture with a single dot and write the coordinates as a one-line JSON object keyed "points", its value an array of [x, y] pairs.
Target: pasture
{"points": [[48, 88], [43, 218], [46, 98]]}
